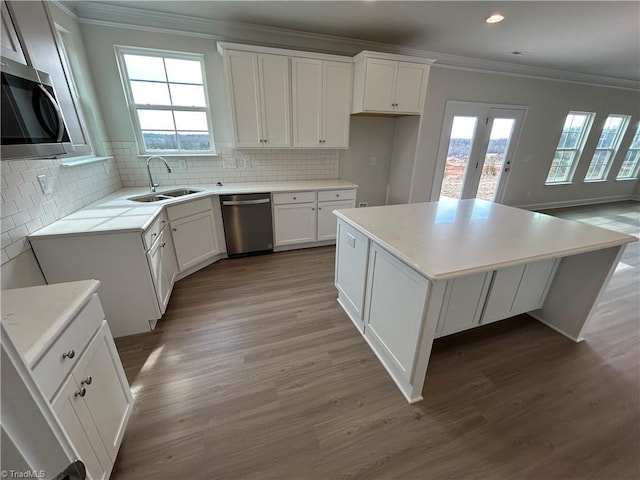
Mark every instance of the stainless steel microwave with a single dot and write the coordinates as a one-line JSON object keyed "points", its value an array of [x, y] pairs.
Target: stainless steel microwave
{"points": [[32, 123]]}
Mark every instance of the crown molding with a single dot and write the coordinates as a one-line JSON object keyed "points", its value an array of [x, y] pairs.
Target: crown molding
{"points": [[93, 13]]}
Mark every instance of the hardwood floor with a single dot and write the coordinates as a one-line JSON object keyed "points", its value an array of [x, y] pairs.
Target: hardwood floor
{"points": [[255, 372]]}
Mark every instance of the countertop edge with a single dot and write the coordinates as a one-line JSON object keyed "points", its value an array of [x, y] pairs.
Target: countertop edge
{"points": [[44, 342], [484, 268]]}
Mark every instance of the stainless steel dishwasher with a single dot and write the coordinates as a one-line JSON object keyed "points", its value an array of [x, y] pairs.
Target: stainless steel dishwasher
{"points": [[248, 228]]}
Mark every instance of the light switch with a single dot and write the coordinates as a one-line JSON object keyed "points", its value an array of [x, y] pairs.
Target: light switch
{"points": [[351, 240]]}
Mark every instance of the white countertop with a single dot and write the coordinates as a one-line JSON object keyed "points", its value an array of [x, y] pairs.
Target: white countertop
{"points": [[34, 316], [116, 213], [452, 238]]}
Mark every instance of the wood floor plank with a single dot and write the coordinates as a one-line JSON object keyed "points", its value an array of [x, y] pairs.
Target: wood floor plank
{"points": [[255, 372]]}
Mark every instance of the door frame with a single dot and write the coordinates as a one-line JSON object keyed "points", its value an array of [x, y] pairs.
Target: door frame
{"points": [[455, 108]]}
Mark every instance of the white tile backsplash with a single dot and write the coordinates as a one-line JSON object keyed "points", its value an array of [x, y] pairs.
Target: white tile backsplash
{"points": [[25, 209], [262, 165]]}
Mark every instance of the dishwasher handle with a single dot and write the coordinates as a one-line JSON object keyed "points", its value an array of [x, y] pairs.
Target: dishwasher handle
{"points": [[245, 202]]}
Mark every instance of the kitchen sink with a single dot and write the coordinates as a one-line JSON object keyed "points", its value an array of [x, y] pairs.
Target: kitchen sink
{"points": [[158, 197]]}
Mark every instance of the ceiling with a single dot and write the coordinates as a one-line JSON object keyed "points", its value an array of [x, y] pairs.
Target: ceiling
{"points": [[583, 37]]}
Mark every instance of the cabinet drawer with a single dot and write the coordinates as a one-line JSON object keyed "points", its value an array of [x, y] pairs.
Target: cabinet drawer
{"points": [[187, 209], [53, 367], [329, 195], [150, 234], [293, 197]]}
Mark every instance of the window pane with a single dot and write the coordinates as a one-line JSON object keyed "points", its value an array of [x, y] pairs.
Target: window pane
{"points": [[191, 121], [598, 165], [144, 68], [460, 142], [610, 130], [629, 168], [183, 71], [156, 120], [560, 167], [194, 141], [160, 140], [187, 95], [635, 143], [148, 93]]}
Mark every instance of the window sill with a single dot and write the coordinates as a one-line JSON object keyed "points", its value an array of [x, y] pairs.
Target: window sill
{"points": [[75, 161], [558, 183], [202, 154], [630, 179], [596, 181]]}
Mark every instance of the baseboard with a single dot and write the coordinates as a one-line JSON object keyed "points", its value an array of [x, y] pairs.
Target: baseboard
{"points": [[297, 246], [552, 327], [200, 266], [577, 203]]}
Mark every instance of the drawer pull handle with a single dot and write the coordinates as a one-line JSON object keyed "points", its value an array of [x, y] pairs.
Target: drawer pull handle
{"points": [[338, 195], [80, 393], [174, 229], [87, 381], [154, 235], [69, 354], [295, 198]]}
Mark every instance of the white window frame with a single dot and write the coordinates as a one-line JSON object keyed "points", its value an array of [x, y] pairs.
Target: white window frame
{"points": [[631, 153], [577, 150], [121, 51], [613, 150]]}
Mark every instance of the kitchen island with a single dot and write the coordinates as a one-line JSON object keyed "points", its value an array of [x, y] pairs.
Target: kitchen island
{"points": [[407, 274]]}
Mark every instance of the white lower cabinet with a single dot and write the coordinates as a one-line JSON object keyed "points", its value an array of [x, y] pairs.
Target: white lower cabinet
{"points": [[463, 301], [307, 217], [294, 223], [193, 228], [93, 402], [164, 267]]}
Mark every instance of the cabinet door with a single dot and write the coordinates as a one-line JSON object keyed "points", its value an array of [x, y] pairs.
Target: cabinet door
{"points": [[337, 85], [77, 423], [241, 76], [306, 75], [294, 223], [464, 299], [327, 221], [409, 94], [536, 279], [108, 396], [194, 239], [10, 44], [162, 261], [396, 297], [504, 287], [379, 90], [274, 93]]}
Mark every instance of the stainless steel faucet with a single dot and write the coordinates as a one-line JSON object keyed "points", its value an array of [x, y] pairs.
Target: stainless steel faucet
{"points": [[151, 184]]}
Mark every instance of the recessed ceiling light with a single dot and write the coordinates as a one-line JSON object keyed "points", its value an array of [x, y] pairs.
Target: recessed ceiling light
{"points": [[495, 18]]}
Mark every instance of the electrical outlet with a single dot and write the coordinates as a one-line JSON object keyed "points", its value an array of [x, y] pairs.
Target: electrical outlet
{"points": [[45, 184], [229, 163], [246, 162], [363, 204], [373, 160], [351, 240]]}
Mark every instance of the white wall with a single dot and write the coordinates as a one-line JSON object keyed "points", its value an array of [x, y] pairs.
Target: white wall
{"points": [[368, 137], [548, 102]]}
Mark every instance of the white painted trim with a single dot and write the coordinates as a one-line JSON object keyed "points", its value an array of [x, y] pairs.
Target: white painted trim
{"points": [[73, 161], [223, 46], [577, 203], [94, 13], [393, 57], [297, 246]]}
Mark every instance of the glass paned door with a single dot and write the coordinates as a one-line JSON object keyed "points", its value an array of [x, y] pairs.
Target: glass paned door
{"points": [[460, 142], [476, 151]]}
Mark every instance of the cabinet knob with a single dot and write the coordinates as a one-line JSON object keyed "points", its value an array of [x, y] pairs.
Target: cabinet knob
{"points": [[174, 229], [294, 198], [313, 209], [80, 393], [86, 381], [338, 195], [163, 244], [162, 222], [153, 235], [319, 208], [69, 354]]}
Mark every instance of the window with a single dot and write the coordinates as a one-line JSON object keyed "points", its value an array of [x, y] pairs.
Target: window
{"points": [[629, 167], [612, 132], [574, 133], [168, 101]]}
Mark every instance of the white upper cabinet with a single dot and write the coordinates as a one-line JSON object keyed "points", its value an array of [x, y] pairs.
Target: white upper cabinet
{"points": [[10, 44], [385, 83], [321, 102], [258, 91]]}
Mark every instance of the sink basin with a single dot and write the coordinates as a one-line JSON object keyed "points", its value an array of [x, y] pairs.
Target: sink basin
{"points": [[158, 197]]}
